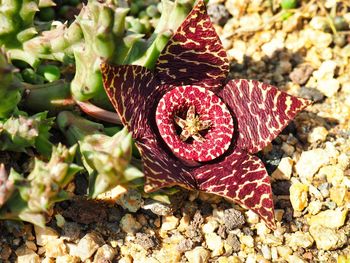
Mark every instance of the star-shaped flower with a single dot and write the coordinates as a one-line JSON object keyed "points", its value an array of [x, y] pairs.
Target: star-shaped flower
{"points": [[193, 128]]}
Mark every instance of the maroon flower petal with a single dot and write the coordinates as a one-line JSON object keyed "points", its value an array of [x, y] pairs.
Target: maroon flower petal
{"points": [[161, 169], [261, 111], [128, 88], [194, 54], [242, 178]]}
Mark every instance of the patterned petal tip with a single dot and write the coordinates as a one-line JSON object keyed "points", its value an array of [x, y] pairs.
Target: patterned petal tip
{"points": [[194, 54], [261, 110], [128, 88], [242, 178]]}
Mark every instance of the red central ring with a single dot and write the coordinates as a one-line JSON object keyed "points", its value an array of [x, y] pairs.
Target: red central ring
{"points": [[209, 107]]}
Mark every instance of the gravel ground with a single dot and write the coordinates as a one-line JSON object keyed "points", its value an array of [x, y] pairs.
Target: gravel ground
{"points": [[308, 163]]}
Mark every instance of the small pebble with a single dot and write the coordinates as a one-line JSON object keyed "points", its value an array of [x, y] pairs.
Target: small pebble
{"points": [[131, 200], [298, 196], [146, 241], [246, 240], [233, 219], [55, 248], [299, 239], [157, 207], [252, 218], [311, 94], [87, 246], [284, 169], [329, 87], [104, 254], [44, 235], [327, 238], [301, 74], [210, 226], [215, 244], [198, 255], [25, 255], [67, 259], [218, 14], [337, 194], [266, 251], [279, 214], [129, 224], [169, 223], [333, 173], [284, 251], [329, 218], [314, 207], [310, 162], [233, 242], [317, 134]]}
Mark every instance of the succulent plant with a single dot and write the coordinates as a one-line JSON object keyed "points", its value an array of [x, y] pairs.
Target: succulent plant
{"points": [[107, 38], [9, 88], [18, 133], [17, 22], [57, 43], [6, 186], [106, 158], [36, 194], [195, 129]]}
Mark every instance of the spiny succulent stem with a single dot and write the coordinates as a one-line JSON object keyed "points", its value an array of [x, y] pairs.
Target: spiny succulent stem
{"points": [[98, 112]]}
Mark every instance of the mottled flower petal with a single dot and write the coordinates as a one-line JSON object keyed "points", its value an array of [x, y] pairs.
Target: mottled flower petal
{"points": [[128, 88], [261, 111], [242, 178], [194, 54], [161, 169]]}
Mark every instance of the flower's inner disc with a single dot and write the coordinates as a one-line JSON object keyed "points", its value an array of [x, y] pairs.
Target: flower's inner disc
{"points": [[194, 123]]}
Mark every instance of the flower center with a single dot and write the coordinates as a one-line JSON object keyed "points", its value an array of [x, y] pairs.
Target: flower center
{"points": [[194, 123]]}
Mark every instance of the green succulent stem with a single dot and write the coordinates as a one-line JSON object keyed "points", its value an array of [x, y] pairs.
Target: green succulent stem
{"points": [[33, 196], [53, 97], [76, 128]]}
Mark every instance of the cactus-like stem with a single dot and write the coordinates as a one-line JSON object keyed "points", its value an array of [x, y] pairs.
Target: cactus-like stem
{"points": [[53, 97], [16, 17], [36, 194], [76, 128], [107, 160], [19, 133], [6, 185], [9, 88], [55, 44]]}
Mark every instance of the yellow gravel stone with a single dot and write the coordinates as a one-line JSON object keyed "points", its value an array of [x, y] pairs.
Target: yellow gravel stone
{"points": [[284, 169], [329, 218], [298, 196], [55, 248], [337, 194], [67, 259], [333, 173]]}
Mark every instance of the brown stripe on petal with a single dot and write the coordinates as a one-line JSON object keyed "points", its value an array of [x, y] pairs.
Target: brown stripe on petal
{"points": [[194, 54], [261, 110], [161, 169], [242, 178], [128, 88]]}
